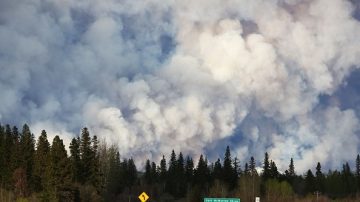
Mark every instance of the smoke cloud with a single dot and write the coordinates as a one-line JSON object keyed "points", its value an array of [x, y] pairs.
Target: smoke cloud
{"points": [[152, 76]]}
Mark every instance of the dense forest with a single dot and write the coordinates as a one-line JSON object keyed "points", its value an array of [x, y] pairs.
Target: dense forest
{"points": [[90, 170]]}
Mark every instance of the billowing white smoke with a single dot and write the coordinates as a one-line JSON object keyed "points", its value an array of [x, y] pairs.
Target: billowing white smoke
{"points": [[152, 76]]}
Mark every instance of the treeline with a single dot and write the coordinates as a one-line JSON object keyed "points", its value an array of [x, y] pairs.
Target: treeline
{"points": [[37, 170]]}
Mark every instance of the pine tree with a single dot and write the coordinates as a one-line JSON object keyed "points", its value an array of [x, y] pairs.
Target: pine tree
{"points": [[228, 170], [60, 166], [246, 169], [180, 165], [201, 174], [153, 172], [172, 164], [27, 145], [180, 177], [86, 156], [8, 144], [15, 160], [128, 173], [113, 182], [189, 169], [95, 171], [75, 160], [237, 168], [147, 175], [274, 173], [217, 171], [319, 178], [252, 167], [348, 180], [266, 168], [290, 173], [266, 173], [310, 182], [163, 169], [131, 172], [171, 175], [163, 173], [227, 166], [41, 161]]}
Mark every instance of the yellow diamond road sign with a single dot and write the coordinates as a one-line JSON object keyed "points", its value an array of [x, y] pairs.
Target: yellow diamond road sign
{"points": [[143, 197]]}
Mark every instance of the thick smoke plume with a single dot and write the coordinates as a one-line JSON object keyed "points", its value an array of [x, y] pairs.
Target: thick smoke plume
{"points": [[154, 75]]}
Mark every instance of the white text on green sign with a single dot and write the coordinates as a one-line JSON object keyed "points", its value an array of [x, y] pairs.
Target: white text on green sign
{"points": [[221, 200]]}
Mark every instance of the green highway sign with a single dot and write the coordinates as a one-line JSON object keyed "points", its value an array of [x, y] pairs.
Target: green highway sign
{"points": [[221, 200]]}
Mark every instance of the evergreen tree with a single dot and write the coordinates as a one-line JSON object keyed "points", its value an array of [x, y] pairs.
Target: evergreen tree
{"points": [[27, 145], [95, 171], [266, 174], [153, 172], [75, 159], [163, 169], [310, 182], [86, 156], [348, 180], [15, 160], [41, 161], [290, 173], [128, 173], [266, 168], [227, 166], [252, 167], [335, 184], [189, 169], [163, 173], [217, 171], [228, 170], [274, 173], [148, 178], [180, 176], [131, 173], [180, 166], [201, 174], [113, 183], [60, 166], [292, 168], [246, 169], [172, 164], [319, 178], [237, 168], [171, 175], [8, 144]]}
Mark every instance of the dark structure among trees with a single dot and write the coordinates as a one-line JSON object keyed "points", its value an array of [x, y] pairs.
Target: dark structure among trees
{"points": [[93, 171]]}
